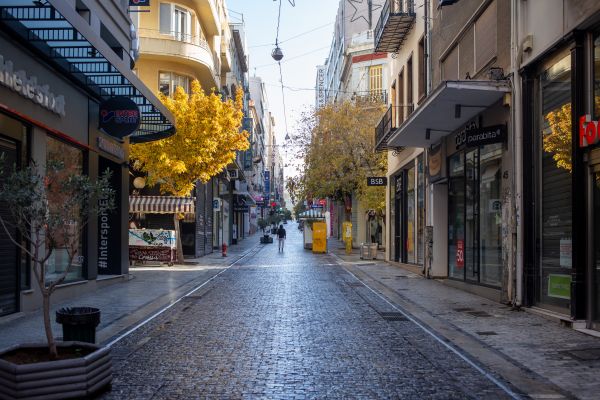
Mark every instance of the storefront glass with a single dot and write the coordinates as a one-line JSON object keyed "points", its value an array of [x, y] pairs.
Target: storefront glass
{"points": [[490, 214], [456, 209], [596, 265], [72, 159], [555, 190], [410, 216], [597, 77], [420, 209]]}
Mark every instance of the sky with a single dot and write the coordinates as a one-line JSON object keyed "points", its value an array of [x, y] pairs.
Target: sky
{"points": [[305, 34]]}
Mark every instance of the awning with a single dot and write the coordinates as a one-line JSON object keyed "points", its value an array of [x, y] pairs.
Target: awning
{"points": [[248, 200], [58, 35], [312, 214], [450, 106], [162, 204]]}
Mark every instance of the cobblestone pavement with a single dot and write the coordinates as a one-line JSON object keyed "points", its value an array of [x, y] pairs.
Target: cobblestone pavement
{"points": [[288, 325]]}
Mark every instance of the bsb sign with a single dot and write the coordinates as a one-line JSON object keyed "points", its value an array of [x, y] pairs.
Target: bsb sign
{"points": [[376, 181], [589, 131]]}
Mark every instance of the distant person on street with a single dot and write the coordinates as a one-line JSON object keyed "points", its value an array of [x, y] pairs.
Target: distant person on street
{"points": [[281, 236]]}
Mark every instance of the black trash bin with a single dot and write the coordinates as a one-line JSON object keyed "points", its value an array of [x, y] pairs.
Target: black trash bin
{"points": [[78, 323]]}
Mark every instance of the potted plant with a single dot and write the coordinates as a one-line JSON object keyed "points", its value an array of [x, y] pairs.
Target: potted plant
{"points": [[50, 210]]}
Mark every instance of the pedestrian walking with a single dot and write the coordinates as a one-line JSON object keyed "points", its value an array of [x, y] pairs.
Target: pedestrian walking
{"points": [[281, 236]]}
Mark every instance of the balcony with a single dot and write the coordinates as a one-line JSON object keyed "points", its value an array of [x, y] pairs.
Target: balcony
{"points": [[190, 50], [385, 128], [371, 96], [395, 22]]}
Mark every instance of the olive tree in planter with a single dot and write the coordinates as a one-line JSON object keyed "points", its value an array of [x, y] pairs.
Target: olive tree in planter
{"points": [[49, 209]]}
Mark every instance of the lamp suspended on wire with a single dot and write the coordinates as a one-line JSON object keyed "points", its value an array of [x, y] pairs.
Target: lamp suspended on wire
{"points": [[277, 54]]}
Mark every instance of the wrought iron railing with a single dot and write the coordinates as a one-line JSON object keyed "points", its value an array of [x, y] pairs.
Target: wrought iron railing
{"points": [[385, 126], [371, 96], [392, 7]]}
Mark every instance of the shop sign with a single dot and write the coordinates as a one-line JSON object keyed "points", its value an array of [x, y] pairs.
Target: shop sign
{"points": [[461, 137], [322, 202], [267, 182], [460, 253], [139, 3], [241, 208], [398, 184], [216, 204], [436, 165], [163, 254], [111, 148], [486, 135], [321, 86], [559, 286], [119, 116], [566, 253], [29, 88], [376, 181], [589, 131], [152, 237]]}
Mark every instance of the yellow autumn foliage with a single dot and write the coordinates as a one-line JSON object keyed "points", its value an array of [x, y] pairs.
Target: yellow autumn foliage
{"points": [[206, 140]]}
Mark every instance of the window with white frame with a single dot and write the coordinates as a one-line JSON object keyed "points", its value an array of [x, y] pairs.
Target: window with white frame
{"points": [[168, 82], [176, 21]]}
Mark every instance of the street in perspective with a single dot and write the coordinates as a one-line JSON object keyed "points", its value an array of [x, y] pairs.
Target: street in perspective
{"points": [[289, 199]]}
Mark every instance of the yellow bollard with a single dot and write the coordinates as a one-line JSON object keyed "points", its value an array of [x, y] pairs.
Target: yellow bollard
{"points": [[349, 246]]}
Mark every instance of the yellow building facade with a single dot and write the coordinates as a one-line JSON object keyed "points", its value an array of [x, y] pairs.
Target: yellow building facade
{"points": [[181, 41]]}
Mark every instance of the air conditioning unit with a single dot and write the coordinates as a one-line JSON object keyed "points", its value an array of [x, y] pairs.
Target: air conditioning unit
{"points": [[233, 173]]}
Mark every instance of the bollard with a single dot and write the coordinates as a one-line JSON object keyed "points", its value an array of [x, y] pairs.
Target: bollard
{"points": [[224, 250]]}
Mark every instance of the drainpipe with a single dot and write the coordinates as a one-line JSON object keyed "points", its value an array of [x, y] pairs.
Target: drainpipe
{"points": [[517, 129]]}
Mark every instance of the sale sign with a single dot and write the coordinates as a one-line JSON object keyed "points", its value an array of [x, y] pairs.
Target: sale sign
{"points": [[460, 253]]}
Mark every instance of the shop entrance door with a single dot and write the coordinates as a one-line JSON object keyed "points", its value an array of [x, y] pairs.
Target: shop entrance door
{"points": [[9, 289], [472, 216], [595, 265]]}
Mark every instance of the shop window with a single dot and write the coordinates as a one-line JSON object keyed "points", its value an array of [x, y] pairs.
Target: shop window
{"points": [[597, 77], [72, 159], [169, 81], [411, 213], [420, 209], [555, 186], [490, 214], [456, 216]]}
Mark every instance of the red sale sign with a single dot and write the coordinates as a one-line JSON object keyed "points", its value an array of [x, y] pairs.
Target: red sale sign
{"points": [[460, 253]]}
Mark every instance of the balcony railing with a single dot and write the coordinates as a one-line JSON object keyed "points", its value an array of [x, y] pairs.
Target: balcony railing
{"points": [[385, 127], [371, 96], [395, 22], [391, 120], [174, 35]]}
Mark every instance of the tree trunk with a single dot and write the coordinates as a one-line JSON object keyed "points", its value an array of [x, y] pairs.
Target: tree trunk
{"points": [[48, 325], [178, 239]]}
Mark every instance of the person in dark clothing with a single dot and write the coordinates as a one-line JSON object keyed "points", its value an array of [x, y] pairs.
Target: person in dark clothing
{"points": [[281, 236]]}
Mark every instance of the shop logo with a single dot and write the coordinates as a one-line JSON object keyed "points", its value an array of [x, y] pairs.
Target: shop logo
{"points": [[119, 116], [589, 131]]}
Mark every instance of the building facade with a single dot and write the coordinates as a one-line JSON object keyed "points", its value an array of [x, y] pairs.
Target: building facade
{"points": [[51, 93], [558, 57]]}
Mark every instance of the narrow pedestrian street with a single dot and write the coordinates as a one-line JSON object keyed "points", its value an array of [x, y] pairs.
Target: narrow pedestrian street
{"points": [[288, 325]]}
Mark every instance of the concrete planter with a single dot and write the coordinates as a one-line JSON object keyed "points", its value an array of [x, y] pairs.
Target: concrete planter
{"points": [[63, 379]]}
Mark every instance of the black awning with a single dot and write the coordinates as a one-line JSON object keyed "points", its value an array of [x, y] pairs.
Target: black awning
{"points": [[45, 31]]}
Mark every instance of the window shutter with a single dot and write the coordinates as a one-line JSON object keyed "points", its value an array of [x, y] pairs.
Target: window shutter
{"points": [[485, 36], [450, 66], [166, 19]]}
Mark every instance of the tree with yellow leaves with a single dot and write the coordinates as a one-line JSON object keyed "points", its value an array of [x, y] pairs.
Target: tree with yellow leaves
{"points": [[206, 140], [339, 153]]}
